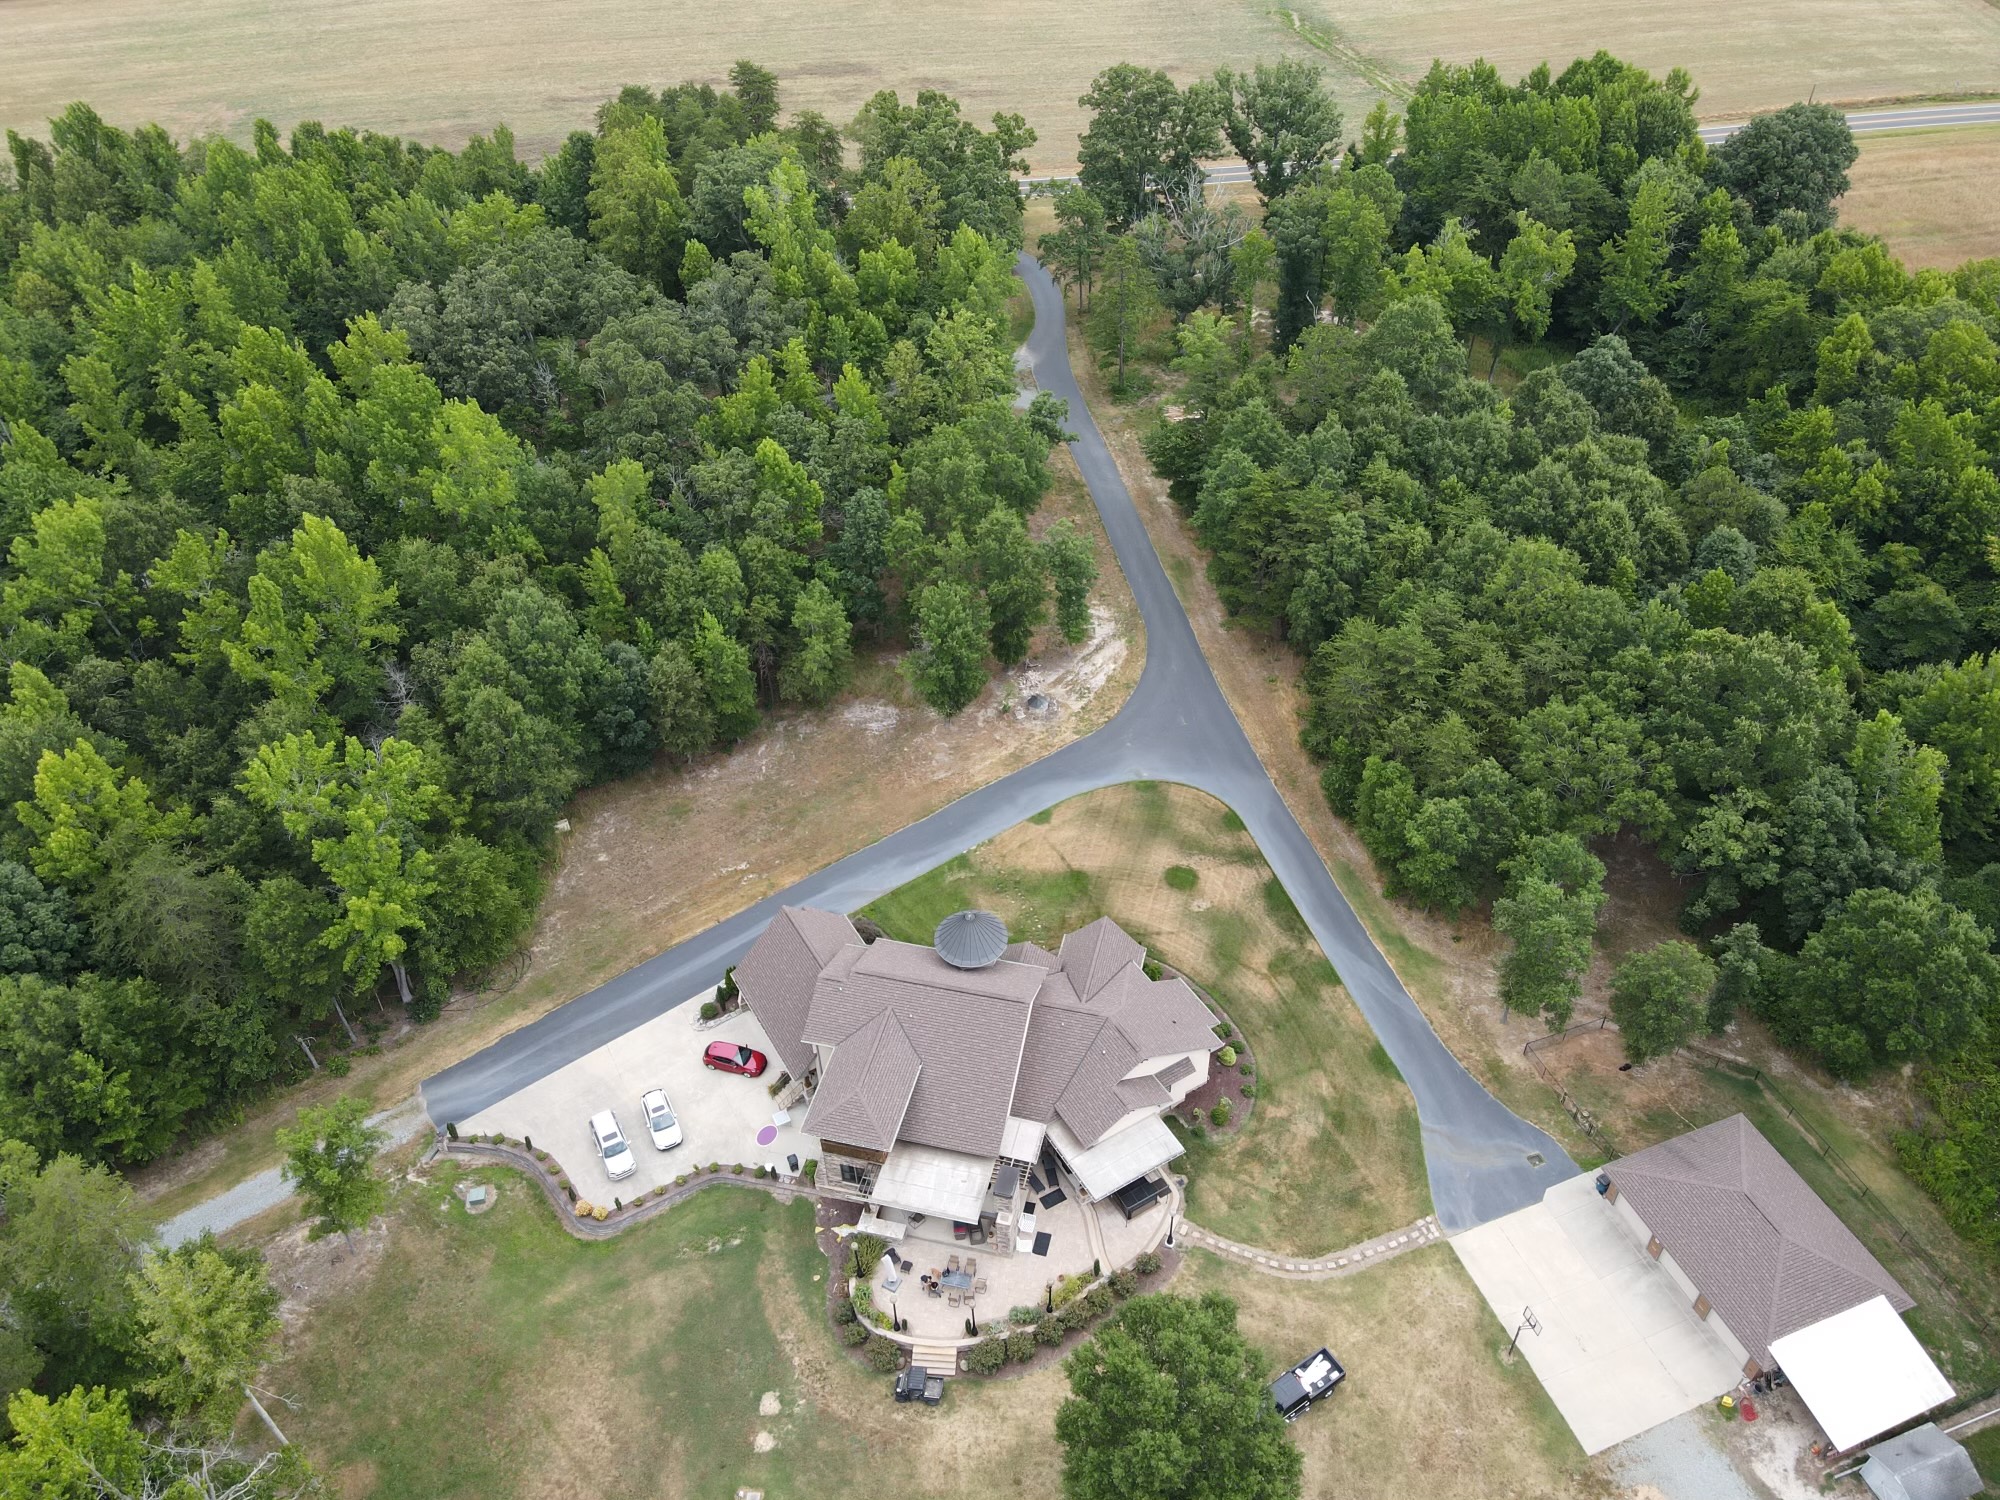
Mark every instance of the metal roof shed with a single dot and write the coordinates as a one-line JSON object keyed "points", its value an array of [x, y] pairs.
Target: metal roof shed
{"points": [[1922, 1464], [1861, 1372]]}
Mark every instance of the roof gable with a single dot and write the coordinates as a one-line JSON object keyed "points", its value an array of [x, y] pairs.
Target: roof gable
{"points": [[777, 976], [866, 1091], [1092, 955]]}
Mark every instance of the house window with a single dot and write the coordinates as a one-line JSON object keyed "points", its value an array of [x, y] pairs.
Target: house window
{"points": [[861, 1179]]}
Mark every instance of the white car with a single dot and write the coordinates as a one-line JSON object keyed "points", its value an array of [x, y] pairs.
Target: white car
{"points": [[611, 1146], [660, 1121]]}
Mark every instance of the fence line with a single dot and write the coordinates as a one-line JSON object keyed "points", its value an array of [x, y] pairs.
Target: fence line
{"points": [[1577, 1112]]}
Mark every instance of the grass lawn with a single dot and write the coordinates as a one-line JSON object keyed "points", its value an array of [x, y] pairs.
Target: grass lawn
{"points": [[1984, 1445], [1331, 1153], [1428, 1408], [496, 1357]]}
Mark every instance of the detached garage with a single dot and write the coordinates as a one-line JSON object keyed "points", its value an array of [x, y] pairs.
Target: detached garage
{"points": [[1775, 1273]]}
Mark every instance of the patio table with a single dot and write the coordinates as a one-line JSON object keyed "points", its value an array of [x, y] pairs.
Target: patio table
{"points": [[960, 1279]]}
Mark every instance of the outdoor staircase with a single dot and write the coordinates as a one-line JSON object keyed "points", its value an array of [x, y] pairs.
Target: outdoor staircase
{"points": [[938, 1359]]}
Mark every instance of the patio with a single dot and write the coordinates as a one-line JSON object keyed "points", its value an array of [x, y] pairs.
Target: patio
{"points": [[1078, 1234]]}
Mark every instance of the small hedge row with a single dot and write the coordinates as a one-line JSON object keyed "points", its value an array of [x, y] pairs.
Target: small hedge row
{"points": [[1079, 1309]]}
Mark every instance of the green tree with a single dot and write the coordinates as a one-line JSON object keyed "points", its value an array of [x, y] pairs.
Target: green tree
{"points": [[1145, 137], [1533, 268], [1635, 284], [1794, 159], [38, 934], [1281, 120], [1554, 889], [330, 1162], [818, 666], [1127, 302], [1076, 247], [1168, 1402], [1898, 786], [1013, 579], [361, 813], [1890, 977], [723, 666], [69, 1242], [1660, 997], [637, 215], [208, 1316], [1071, 563], [952, 633]]}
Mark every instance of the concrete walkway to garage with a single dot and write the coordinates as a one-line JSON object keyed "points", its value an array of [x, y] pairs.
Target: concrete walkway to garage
{"points": [[1620, 1349], [721, 1114]]}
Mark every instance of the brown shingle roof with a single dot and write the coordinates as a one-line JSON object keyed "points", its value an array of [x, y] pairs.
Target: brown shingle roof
{"points": [[1059, 1034], [967, 1027], [1751, 1234], [1158, 1016], [867, 1087], [1091, 955], [1174, 1072], [779, 972], [1090, 1104]]}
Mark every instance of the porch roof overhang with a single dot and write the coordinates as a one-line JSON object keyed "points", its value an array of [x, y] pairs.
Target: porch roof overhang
{"points": [[930, 1180], [1120, 1157]]}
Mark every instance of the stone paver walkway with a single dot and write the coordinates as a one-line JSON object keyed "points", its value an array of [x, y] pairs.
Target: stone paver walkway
{"points": [[1322, 1268]]}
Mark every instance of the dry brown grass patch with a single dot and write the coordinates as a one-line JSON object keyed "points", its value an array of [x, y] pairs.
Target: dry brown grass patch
{"points": [[1929, 194]]}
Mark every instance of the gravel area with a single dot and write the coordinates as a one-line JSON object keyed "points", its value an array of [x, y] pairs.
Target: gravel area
{"points": [[1678, 1460], [268, 1189]]}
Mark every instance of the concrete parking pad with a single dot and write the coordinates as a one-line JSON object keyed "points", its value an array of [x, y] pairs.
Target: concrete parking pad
{"points": [[1620, 1349], [721, 1114]]}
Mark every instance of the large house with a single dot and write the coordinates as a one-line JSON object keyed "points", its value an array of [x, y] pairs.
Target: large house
{"points": [[939, 1076]]}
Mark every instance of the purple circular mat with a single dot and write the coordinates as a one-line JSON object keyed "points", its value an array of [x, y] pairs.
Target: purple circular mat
{"points": [[767, 1135]]}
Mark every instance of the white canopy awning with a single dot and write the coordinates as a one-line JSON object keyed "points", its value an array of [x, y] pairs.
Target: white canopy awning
{"points": [[926, 1180], [1119, 1158], [1860, 1372]]}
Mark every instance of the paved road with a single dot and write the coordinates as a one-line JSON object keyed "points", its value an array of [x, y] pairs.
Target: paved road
{"points": [[268, 1188], [1860, 121], [1176, 726]]}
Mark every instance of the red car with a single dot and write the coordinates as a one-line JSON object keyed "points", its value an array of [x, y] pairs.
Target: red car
{"points": [[733, 1057]]}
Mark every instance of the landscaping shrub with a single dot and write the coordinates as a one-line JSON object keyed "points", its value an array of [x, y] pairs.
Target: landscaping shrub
{"points": [[1151, 969], [1147, 1263], [885, 1355], [986, 1356], [811, 1170], [1249, 1091], [1050, 1330], [1224, 1030], [1124, 1283], [760, 1171], [541, 1155], [865, 1252], [1075, 1316], [1021, 1345], [338, 1067], [844, 1312], [1219, 1116], [1097, 1301], [600, 1213], [710, 1010], [715, 1166], [727, 991], [681, 1181], [450, 1130], [737, 1169], [854, 1335], [1227, 1056], [777, 1085], [582, 1206], [1244, 1068], [1021, 1317], [617, 1203]]}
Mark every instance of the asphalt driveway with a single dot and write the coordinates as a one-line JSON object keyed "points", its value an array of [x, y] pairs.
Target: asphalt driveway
{"points": [[1482, 1159], [1620, 1350], [723, 1116]]}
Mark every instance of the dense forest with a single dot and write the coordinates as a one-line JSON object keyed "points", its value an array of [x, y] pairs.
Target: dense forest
{"points": [[1719, 570], [363, 500]]}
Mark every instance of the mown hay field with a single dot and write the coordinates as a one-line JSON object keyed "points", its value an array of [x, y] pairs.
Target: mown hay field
{"points": [[445, 69], [1929, 194]]}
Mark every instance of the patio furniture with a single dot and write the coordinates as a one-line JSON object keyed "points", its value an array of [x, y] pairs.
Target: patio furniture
{"points": [[782, 1117], [952, 1297], [1027, 1230], [903, 1266], [960, 1231], [972, 1265], [976, 1235], [979, 1287], [955, 1279], [951, 1264]]}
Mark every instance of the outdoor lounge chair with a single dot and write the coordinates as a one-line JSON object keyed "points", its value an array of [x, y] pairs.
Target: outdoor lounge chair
{"points": [[951, 1264], [979, 1287], [972, 1265], [952, 1298]]}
